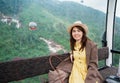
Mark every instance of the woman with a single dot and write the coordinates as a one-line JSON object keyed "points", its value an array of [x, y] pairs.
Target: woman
{"points": [[82, 65], [83, 55]]}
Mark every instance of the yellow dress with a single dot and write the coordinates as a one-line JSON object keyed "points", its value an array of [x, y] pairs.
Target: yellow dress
{"points": [[79, 70]]}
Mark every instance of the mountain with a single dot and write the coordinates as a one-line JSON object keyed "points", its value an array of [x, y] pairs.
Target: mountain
{"points": [[52, 18], [59, 15]]}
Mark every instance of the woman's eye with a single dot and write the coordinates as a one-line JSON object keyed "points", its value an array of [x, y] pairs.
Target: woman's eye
{"points": [[73, 31], [79, 30]]}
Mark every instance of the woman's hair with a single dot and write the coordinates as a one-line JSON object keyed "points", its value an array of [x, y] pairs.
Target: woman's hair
{"points": [[83, 41]]}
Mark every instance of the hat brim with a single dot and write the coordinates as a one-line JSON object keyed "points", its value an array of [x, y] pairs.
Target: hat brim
{"points": [[78, 24]]}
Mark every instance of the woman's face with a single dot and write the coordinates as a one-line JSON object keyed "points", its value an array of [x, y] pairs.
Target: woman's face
{"points": [[77, 34]]}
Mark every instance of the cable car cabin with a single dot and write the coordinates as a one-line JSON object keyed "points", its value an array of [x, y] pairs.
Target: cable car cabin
{"points": [[32, 26], [21, 68]]}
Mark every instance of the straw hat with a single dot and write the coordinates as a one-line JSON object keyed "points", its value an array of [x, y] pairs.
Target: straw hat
{"points": [[78, 23]]}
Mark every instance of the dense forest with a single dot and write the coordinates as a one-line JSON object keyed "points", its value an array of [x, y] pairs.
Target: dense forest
{"points": [[52, 18]]}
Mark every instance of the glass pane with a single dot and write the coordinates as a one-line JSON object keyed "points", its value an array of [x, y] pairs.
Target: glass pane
{"points": [[33, 28], [116, 40]]}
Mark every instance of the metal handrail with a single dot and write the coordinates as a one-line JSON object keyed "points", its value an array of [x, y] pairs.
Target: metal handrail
{"points": [[115, 51]]}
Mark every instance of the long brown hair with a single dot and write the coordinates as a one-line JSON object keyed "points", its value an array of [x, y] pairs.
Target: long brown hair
{"points": [[83, 41]]}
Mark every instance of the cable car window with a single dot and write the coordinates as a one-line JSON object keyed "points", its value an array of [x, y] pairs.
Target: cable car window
{"points": [[33, 28], [116, 38]]}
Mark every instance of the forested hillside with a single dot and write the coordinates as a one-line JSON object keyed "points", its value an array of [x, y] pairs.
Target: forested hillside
{"points": [[52, 18]]}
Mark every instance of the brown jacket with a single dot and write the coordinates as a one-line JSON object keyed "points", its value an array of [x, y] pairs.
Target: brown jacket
{"points": [[93, 74]]}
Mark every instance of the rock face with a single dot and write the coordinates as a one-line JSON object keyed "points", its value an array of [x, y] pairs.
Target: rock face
{"points": [[53, 47]]}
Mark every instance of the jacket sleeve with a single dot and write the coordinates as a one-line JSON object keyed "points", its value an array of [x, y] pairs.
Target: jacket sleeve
{"points": [[93, 61], [93, 74]]}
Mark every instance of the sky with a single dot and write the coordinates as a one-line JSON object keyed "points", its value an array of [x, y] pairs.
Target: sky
{"points": [[96, 4]]}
